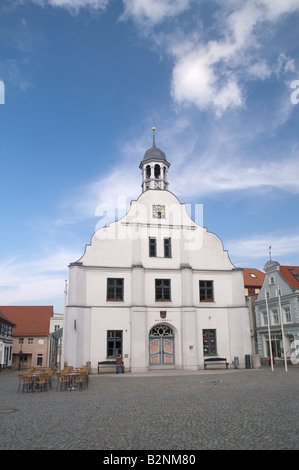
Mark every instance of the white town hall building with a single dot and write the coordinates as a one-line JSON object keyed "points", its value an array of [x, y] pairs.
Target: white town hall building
{"points": [[155, 287]]}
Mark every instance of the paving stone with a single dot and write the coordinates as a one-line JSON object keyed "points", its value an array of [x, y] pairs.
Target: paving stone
{"points": [[231, 409]]}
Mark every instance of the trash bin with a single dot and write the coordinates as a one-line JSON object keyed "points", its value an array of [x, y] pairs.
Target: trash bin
{"points": [[236, 362], [247, 361]]}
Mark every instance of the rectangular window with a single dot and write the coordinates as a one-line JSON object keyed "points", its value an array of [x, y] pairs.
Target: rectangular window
{"points": [[114, 343], [21, 340], [206, 293], [39, 361], [115, 289], [209, 342], [163, 290], [167, 247], [152, 247], [264, 317], [287, 314], [30, 340], [275, 318]]}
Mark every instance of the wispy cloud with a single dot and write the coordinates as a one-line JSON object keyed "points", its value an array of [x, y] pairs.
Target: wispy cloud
{"points": [[284, 249], [210, 74], [75, 5], [218, 176], [153, 12], [37, 280]]}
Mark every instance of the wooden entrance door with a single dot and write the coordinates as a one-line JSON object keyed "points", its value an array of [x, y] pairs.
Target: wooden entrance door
{"points": [[161, 343]]}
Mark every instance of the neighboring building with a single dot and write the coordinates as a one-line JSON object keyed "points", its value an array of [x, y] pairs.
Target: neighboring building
{"points": [[278, 300], [56, 337], [31, 334], [155, 287], [253, 281], [6, 341]]}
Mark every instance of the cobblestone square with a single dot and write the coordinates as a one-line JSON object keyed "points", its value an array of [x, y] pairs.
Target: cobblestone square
{"points": [[254, 409]]}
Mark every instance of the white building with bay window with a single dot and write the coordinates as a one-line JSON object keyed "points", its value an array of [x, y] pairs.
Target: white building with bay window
{"points": [[277, 313], [155, 287]]}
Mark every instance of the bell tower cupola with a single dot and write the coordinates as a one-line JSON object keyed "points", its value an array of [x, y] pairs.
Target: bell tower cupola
{"points": [[154, 168]]}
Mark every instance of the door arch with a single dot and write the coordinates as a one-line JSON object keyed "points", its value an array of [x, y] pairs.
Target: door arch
{"points": [[161, 345]]}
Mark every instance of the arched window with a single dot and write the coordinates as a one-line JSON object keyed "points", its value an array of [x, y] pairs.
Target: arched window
{"points": [[161, 330], [157, 171], [148, 171]]}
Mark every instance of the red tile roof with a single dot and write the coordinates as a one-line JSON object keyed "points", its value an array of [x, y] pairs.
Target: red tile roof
{"points": [[5, 319], [256, 280], [29, 320], [291, 274]]}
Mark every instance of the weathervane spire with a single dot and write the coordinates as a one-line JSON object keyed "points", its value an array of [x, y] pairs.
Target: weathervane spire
{"points": [[154, 128]]}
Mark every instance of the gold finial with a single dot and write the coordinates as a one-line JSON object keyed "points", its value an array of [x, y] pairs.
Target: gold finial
{"points": [[153, 128]]}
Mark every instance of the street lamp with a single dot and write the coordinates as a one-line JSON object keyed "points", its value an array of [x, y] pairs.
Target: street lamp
{"points": [[269, 332], [282, 331], [20, 358]]}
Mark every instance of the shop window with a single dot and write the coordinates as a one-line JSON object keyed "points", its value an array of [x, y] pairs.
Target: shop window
{"points": [[209, 342]]}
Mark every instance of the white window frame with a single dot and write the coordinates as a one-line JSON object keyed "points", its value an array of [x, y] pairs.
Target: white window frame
{"points": [[287, 314], [264, 317], [275, 315]]}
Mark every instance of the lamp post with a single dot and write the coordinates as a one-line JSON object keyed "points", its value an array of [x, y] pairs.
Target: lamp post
{"points": [[269, 333], [282, 330], [20, 358]]}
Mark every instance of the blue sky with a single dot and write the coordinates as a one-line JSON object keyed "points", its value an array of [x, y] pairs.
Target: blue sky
{"points": [[83, 81]]}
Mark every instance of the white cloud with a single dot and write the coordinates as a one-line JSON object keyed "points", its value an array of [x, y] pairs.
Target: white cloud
{"points": [[36, 280], [216, 175], [260, 70], [275, 8], [208, 73], [154, 11], [257, 247], [210, 66], [76, 4]]}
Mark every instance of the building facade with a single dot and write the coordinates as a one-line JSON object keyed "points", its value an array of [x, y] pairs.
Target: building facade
{"points": [[253, 281], [55, 340], [6, 341], [277, 311], [155, 287], [31, 334]]}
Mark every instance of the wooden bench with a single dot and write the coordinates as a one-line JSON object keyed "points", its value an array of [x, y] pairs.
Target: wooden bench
{"points": [[106, 365], [215, 360]]}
